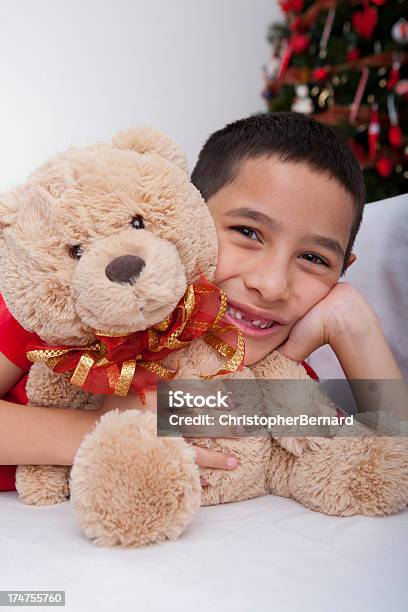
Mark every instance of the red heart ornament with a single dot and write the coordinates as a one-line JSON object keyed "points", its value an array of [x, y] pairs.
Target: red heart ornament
{"points": [[364, 22]]}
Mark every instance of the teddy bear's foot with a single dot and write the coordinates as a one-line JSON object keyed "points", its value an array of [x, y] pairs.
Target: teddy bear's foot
{"points": [[42, 485], [349, 476], [131, 488]]}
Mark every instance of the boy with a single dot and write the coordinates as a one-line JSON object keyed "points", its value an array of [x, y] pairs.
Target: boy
{"points": [[287, 196]]}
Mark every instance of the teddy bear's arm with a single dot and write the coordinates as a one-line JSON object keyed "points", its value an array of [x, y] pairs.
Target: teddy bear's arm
{"points": [[291, 392], [46, 388]]}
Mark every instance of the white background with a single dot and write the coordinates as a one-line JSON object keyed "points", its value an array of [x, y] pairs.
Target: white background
{"points": [[76, 71]]}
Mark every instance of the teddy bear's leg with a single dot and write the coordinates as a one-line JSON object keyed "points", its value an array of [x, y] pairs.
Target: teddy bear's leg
{"points": [[344, 476], [130, 487], [42, 485]]}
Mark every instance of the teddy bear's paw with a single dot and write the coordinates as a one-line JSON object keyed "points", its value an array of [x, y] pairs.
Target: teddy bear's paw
{"points": [[42, 485], [349, 476], [131, 488], [245, 481]]}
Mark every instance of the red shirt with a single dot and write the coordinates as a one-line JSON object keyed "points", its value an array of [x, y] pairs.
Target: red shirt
{"points": [[13, 342]]}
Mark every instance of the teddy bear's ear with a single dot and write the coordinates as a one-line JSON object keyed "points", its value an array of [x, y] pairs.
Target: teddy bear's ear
{"points": [[8, 209], [145, 139]]}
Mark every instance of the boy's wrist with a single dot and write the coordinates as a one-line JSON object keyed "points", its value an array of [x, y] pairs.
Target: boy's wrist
{"points": [[364, 353], [82, 422], [357, 330]]}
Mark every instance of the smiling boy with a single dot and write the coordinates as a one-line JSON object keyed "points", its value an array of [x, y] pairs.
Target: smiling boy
{"points": [[287, 196]]}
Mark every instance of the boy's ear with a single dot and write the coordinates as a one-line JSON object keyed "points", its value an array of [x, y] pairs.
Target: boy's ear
{"points": [[352, 258], [8, 209]]}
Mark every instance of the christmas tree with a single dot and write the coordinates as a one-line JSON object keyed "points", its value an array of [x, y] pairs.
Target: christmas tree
{"points": [[346, 64]]}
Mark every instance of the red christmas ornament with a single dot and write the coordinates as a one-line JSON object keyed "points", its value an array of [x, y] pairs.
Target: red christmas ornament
{"points": [[373, 132], [355, 105], [364, 21], [299, 43], [394, 132], [291, 5], [320, 74], [399, 31], [394, 74], [384, 167], [296, 24], [286, 55], [401, 88], [327, 31], [395, 136], [353, 54]]}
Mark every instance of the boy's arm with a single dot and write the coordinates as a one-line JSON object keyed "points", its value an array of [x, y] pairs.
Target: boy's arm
{"points": [[366, 355], [345, 321], [9, 374], [376, 380], [51, 436], [40, 435]]}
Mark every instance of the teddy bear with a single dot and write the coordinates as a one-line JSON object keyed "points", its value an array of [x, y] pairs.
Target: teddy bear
{"points": [[101, 246]]}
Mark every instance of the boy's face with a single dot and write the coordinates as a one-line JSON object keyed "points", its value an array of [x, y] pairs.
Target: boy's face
{"points": [[282, 233]]}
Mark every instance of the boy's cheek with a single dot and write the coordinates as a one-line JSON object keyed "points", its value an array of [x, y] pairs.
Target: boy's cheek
{"points": [[311, 295], [224, 265]]}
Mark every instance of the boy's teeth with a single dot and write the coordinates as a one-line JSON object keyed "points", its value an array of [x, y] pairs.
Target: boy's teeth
{"points": [[257, 323]]}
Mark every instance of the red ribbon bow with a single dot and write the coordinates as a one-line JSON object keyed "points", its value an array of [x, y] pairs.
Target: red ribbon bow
{"points": [[114, 364]]}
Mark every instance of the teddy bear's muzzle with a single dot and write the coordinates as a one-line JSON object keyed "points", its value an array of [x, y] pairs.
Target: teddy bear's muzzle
{"points": [[124, 269]]}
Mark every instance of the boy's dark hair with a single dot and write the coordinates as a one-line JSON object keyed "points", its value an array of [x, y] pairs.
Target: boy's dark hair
{"points": [[291, 137]]}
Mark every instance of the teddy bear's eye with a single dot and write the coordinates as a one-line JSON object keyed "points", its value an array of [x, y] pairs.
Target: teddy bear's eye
{"points": [[75, 251], [137, 222]]}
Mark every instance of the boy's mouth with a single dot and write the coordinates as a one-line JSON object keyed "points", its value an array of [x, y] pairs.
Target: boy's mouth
{"points": [[251, 323]]}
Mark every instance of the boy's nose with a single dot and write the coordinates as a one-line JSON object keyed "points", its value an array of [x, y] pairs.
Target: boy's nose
{"points": [[272, 283]]}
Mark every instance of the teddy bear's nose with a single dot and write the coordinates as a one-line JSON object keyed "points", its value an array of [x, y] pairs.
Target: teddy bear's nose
{"points": [[124, 269]]}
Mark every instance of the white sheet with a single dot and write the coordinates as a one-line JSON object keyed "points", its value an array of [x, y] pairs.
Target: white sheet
{"points": [[268, 553]]}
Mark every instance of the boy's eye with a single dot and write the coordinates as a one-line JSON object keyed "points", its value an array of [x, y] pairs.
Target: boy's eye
{"points": [[75, 251], [246, 231], [315, 259], [137, 222]]}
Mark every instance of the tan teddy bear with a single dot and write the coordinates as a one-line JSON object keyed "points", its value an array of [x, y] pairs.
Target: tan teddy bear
{"points": [[110, 237]]}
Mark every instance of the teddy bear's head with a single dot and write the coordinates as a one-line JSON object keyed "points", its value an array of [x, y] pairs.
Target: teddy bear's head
{"points": [[104, 238]]}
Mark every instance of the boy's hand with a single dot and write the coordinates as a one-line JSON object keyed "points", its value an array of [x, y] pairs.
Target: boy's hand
{"points": [[342, 313]]}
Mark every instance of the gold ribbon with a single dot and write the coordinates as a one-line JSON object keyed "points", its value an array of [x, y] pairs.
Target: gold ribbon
{"points": [[121, 382]]}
